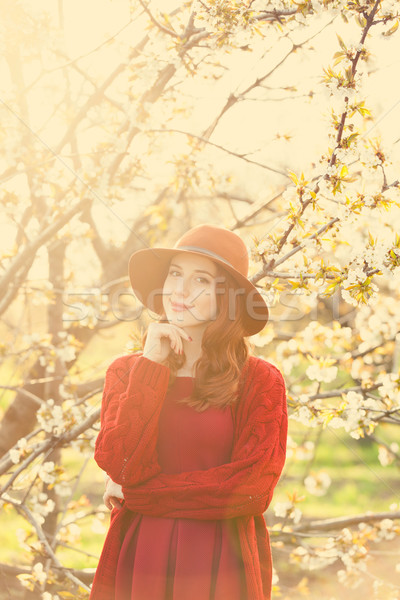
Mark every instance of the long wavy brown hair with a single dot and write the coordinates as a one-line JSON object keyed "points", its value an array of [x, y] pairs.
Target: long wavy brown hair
{"points": [[224, 351]]}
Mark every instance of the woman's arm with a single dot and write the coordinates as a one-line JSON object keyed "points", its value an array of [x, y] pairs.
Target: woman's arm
{"points": [[134, 390], [242, 487]]}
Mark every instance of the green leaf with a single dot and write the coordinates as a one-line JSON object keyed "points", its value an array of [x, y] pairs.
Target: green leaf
{"points": [[293, 177], [392, 30], [341, 42]]}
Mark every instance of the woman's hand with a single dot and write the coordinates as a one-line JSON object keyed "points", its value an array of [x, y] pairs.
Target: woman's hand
{"points": [[113, 495], [161, 337]]}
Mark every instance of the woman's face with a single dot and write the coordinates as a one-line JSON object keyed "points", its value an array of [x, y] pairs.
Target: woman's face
{"points": [[189, 292]]}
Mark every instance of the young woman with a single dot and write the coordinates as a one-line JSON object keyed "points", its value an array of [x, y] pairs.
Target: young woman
{"points": [[193, 432]]}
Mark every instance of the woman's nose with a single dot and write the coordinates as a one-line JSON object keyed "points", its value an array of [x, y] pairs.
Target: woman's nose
{"points": [[183, 286]]}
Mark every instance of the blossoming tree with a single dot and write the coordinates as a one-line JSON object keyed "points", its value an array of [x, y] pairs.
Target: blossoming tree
{"points": [[183, 111]]}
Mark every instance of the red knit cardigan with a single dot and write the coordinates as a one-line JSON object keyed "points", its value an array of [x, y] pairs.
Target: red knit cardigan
{"points": [[126, 448]]}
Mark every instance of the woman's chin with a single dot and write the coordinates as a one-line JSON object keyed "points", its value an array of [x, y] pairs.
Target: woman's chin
{"points": [[185, 318], [179, 318]]}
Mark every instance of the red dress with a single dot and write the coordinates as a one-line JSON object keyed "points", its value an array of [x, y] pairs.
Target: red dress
{"points": [[176, 559], [237, 492]]}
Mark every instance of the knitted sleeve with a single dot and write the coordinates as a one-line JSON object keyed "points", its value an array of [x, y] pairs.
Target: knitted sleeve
{"points": [[133, 394], [241, 487]]}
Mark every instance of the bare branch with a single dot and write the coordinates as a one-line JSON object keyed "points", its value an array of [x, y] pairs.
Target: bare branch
{"points": [[274, 15], [266, 269], [50, 444], [20, 264], [18, 389], [157, 23], [323, 525], [82, 575], [98, 94], [235, 154]]}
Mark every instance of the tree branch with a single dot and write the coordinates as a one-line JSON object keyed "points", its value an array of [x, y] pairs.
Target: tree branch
{"points": [[207, 141], [341, 522], [10, 281], [21, 508], [156, 22]]}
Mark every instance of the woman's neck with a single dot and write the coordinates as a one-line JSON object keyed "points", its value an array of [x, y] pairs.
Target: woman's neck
{"points": [[192, 350]]}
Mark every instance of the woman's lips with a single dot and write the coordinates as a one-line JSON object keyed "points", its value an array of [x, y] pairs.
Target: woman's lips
{"points": [[179, 307]]}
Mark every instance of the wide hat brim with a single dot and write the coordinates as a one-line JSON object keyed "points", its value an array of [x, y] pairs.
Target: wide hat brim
{"points": [[148, 269]]}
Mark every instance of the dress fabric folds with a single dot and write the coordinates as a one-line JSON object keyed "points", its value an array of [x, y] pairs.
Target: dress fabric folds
{"points": [[143, 443], [165, 558]]}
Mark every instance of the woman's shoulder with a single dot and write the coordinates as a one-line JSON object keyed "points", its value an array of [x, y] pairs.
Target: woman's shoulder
{"points": [[123, 361], [263, 373]]}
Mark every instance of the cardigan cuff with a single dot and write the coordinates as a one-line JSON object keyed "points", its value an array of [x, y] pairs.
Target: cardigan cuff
{"points": [[150, 372]]}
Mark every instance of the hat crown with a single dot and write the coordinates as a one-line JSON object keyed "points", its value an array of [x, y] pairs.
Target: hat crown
{"points": [[218, 243]]}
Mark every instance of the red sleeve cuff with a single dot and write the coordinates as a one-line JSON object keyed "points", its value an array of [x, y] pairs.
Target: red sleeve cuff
{"points": [[150, 373]]}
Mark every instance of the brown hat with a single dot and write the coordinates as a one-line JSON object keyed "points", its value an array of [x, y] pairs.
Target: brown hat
{"points": [[148, 269]]}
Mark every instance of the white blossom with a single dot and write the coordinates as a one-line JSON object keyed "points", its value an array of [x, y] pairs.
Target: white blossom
{"points": [[66, 353], [98, 527], [287, 510], [336, 423], [350, 577], [357, 277], [312, 559], [275, 577], [387, 8], [70, 533], [321, 372], [48, 596], [22, 536], [39, 573], [41, 507], [62, 488], [46, 472], [386, 529], [304, 415], [385, 457], [385, 590], [14, 455], [16, 452], [355, 416], [317, 483]]}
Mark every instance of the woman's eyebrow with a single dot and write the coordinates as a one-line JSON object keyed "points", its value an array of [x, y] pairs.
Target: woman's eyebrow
{"points": [[196, 270]]}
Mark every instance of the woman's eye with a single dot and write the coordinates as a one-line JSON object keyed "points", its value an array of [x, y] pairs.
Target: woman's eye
{"points": [[174, 273]]}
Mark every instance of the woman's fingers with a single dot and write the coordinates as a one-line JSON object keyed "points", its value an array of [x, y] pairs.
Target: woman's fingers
{"points": [[113, 495], [175, 334], [112, 501], [176, 342], [167, 329], [161, 338], [116, 502], [182, 333], [106, 500]]}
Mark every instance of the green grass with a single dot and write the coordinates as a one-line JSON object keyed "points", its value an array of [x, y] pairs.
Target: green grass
{"points": [[359, 482]]}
